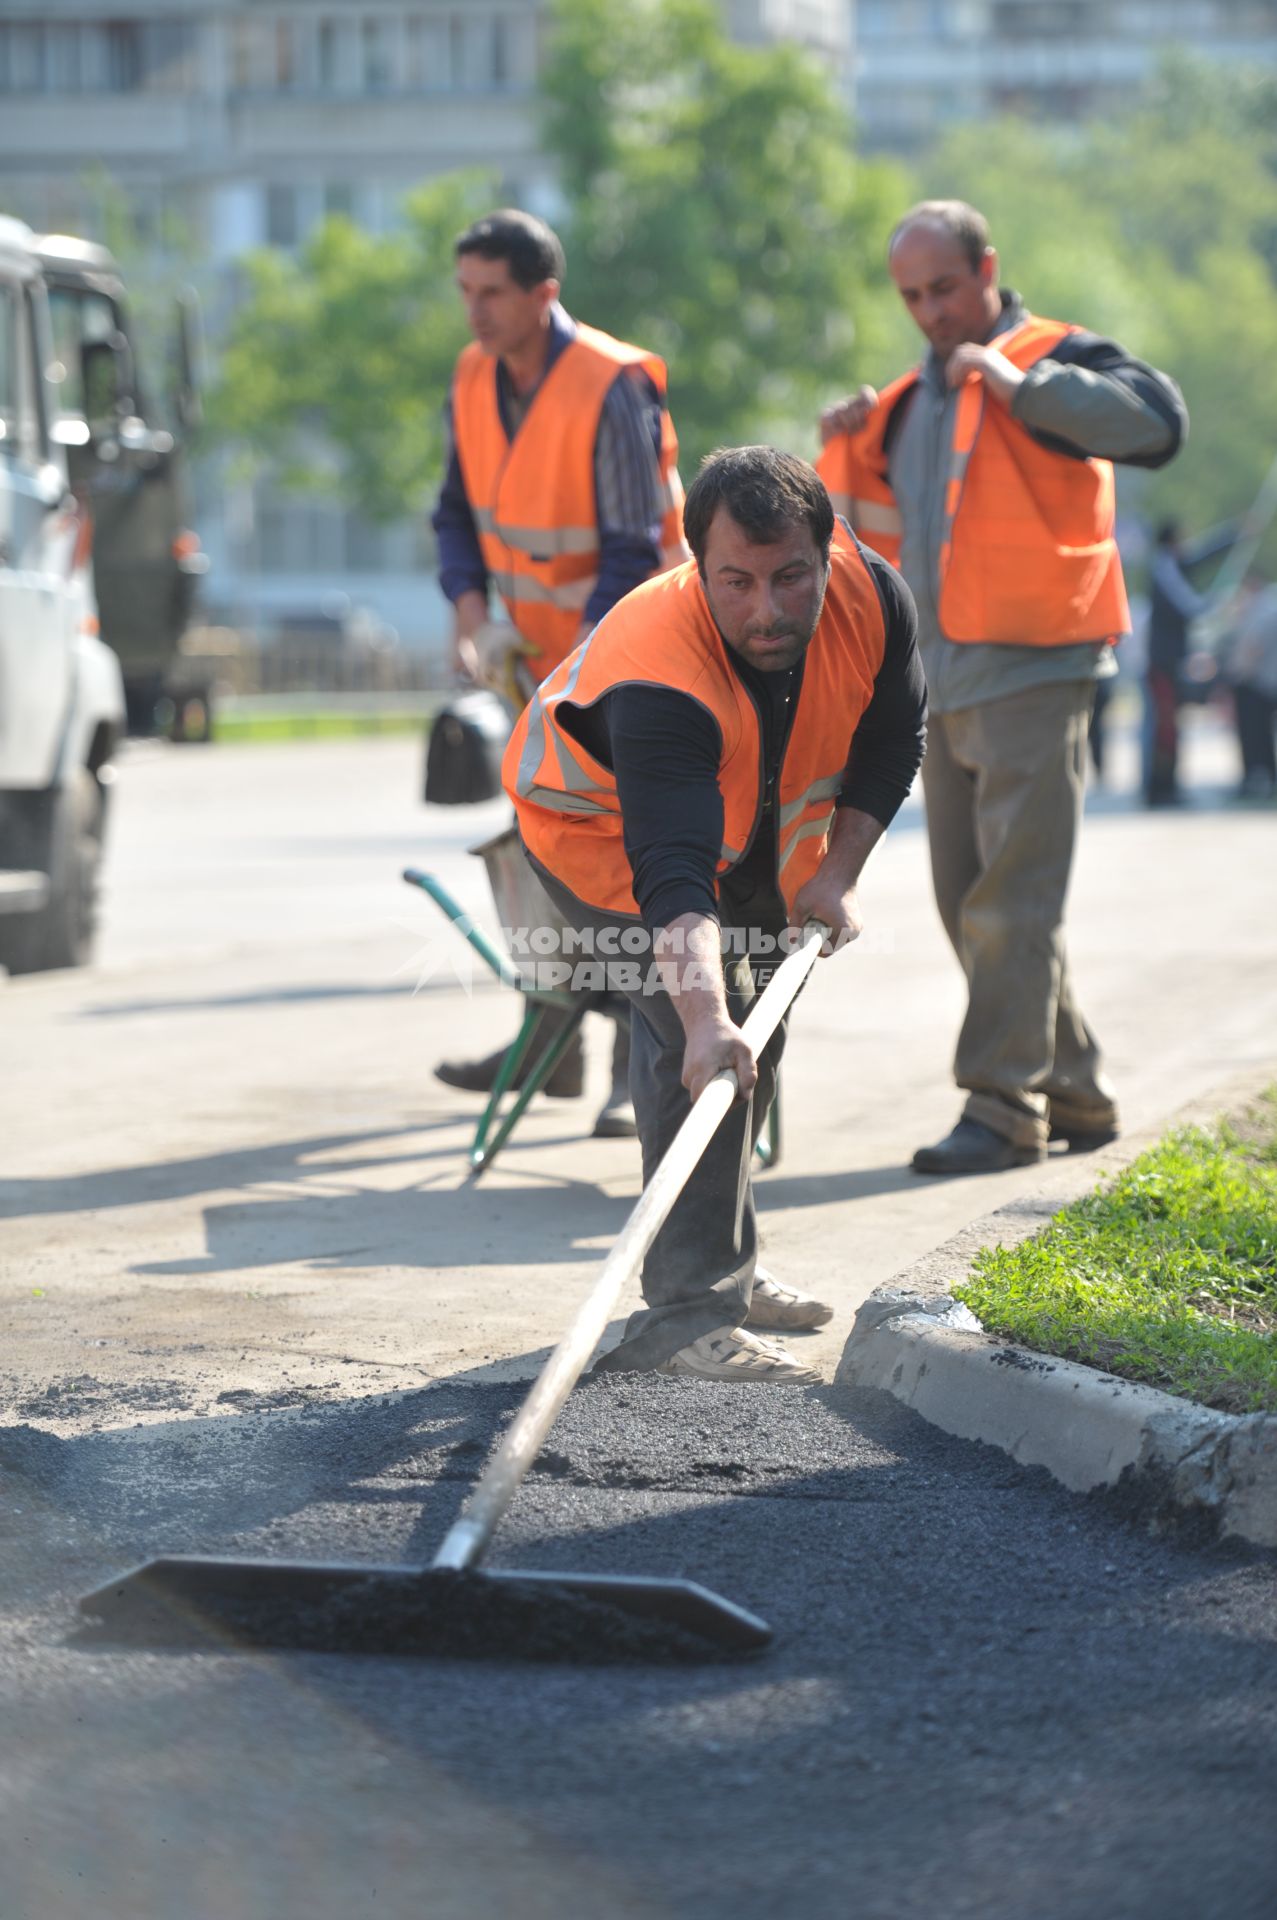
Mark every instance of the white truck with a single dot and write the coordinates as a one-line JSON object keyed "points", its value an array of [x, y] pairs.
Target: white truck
{"points": [[62, 710]]}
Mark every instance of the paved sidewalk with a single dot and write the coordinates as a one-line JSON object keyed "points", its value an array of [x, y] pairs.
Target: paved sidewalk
{"points": [[231, 1169]]}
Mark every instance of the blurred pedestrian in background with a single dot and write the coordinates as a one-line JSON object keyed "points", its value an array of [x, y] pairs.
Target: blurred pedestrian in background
{"points": [[1174, 603], [987, 473], [1252, 670], [561, 490]]}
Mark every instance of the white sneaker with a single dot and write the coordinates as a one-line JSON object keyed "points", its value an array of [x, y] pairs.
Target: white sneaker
{"points": [[729, 1353], [775, 1306]]}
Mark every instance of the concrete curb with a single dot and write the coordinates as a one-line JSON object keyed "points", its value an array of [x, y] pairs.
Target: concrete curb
{"points": [[1088, 1429]]}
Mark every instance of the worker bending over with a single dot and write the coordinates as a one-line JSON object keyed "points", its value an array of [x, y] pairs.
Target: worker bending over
{"points": [[709, 769]]}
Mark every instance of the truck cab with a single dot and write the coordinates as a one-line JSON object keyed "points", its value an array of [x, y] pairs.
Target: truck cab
{"points": [[125, 458], [62, 708]]}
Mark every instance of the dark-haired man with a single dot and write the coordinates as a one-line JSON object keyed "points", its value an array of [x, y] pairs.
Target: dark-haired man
{"points": [[561, 491], [711, 767], [987, 473]]}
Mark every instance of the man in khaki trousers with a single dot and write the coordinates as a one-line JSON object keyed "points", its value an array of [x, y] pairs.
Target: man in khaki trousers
{"points": [[986, 474]]}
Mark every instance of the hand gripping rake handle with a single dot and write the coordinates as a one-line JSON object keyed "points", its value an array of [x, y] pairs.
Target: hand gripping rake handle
{"points": [[467, 1539]]}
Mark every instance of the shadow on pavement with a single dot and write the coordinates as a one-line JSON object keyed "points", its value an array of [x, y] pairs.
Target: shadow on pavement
{"points": [[426, 1227], [263, 997], [786, 1189], [208, 1173]]}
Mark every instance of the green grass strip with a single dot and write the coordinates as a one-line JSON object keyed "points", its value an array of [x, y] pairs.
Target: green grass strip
{"points": [[1169, 1276], [255, 727]]}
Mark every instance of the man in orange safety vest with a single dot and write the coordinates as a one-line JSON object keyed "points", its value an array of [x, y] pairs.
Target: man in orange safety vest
{"points": [[986, 474], [561, 493]]}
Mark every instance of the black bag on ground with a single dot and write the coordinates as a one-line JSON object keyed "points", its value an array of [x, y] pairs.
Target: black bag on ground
{"points": [[463, 757]]}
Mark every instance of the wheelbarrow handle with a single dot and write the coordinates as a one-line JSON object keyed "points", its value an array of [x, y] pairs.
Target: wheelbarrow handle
{"points": [[468, 1538], [505, 971]]}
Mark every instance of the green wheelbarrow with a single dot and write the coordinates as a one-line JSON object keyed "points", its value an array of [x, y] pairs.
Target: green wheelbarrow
{"points": [[521, 901]]}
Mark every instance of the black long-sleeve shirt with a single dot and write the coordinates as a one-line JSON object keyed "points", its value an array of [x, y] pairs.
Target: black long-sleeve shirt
{"points": [[664, 749]]}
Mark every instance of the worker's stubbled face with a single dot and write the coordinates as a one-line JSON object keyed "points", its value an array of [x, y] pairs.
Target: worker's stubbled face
{"points": [[949, 299], [503, 316], [766, 599]]}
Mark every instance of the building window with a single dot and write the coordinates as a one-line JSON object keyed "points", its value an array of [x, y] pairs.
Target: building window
{"points": [[427, 67], [282, 226], [28, 71], [64, 59], [117, 56], [378, 57], [339, 199], [167, 56], [254, 56], [285, 55], [500, 52], [329, 61]]}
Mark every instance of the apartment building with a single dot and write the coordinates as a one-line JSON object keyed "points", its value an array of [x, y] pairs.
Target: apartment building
{"points": [[241, 123], [923, 64]]}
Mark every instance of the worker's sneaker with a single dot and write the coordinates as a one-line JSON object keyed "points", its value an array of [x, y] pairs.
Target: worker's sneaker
{"points": [[732, 1354], [774, 1306]]}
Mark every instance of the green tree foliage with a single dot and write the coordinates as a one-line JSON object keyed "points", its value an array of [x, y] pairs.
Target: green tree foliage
{"points": [[714, 212], [336, 364], [1158, 227], [717, 214]]}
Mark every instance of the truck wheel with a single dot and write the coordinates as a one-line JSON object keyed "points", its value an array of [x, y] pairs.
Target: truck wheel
{"points": [[61, 934]]}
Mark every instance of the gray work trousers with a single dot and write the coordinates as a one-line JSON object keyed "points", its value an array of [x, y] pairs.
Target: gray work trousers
{"points": [[1004, 784], [699, 1273]]}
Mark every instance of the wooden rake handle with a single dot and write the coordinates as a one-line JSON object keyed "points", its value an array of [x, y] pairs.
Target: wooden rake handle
{"points": [[467, 1539]]}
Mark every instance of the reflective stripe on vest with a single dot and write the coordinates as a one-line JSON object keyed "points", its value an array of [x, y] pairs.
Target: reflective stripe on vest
{"points": [[662, 634], [794, 829], [533, 496], [525, 590], [539, 542], [576, 790], [968, 413]]}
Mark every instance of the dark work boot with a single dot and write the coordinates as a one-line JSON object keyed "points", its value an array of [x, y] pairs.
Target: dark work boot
{"points": [[616, 1116], [974, 1148], [1083, 1139], [479, 1076]]}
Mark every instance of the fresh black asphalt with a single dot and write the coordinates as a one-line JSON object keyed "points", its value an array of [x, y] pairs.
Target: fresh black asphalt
{"points": [[985, 1696]]}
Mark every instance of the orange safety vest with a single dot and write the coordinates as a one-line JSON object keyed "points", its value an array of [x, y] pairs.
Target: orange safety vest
{"points": [[533, 497], [664, 635], [1028, 555]]}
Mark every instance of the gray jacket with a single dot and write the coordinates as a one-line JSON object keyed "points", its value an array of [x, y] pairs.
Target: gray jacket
{"points": [[1087, 397]]}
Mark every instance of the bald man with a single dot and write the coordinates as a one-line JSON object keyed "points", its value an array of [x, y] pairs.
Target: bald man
{"points": [[986, 474]]}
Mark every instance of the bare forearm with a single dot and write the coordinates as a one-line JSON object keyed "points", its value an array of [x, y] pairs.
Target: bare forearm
{"points": [[689, 957], [689, 954], [829, 897], [851, 841], [469, 612]]}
